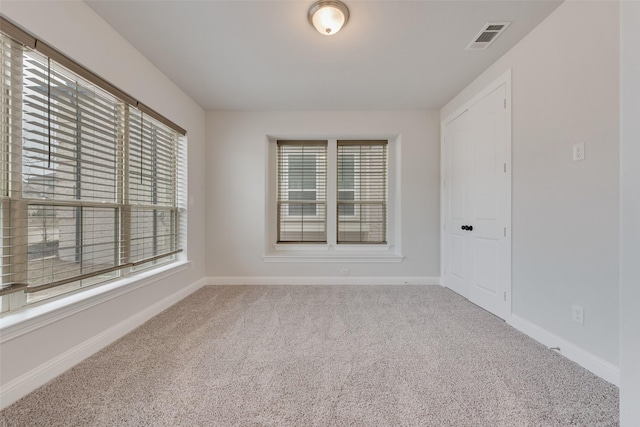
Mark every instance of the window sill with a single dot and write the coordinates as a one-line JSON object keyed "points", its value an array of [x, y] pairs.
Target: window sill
{"points": [[14, 324], [330, 253]]}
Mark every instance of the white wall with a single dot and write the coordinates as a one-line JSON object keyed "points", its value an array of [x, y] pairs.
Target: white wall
{"points": [[236, 172], [73, 28], [565, 214], [630, 214]]}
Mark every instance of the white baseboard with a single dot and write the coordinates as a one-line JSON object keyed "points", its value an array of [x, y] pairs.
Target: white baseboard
{"points": [[28, 382], [319, 280], [600, 367]]}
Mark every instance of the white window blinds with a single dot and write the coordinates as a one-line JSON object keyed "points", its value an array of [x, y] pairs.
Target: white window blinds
{"points": [[153, 184], [72, 136], [90, 182], [362, 192], [302, 191]]}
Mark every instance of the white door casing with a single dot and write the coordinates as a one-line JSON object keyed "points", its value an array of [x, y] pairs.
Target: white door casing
{"points": [[476, 202]]}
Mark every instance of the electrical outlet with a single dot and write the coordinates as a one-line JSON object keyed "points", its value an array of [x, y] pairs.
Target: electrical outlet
{"points": [[577, 314], [344, 271], [578, 152]]}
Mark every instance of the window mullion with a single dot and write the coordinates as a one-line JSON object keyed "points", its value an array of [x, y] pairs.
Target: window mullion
{"points": [[332, 192], [123, 185], [154, 190]]}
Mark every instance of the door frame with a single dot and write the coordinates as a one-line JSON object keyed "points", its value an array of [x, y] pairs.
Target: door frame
{"points": [[504, 79]]}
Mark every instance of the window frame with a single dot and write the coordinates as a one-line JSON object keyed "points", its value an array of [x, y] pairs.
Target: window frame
{"points": [[391, 252]]}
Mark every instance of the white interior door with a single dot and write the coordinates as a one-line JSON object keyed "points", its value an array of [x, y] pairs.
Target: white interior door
{"points": [[475, 246]]}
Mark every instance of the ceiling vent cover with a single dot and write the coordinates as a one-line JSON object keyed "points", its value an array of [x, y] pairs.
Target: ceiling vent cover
{"points": [[487, 35]]}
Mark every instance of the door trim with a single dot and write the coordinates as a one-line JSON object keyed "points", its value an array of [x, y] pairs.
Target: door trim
{"points": [[504, 79]]}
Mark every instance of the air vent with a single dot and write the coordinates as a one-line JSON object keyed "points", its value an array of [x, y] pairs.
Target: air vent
{"points": [[487, 35]]}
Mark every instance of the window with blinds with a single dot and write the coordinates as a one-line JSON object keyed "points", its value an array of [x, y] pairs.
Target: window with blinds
{"points": [[153, 180], [362, 192], [71, 142], [302, 191], [90, 178]]}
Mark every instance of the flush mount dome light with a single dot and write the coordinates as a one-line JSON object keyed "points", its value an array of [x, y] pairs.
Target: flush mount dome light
{"points": [[328, 16]]}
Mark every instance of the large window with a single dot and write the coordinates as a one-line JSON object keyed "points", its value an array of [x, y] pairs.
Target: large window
{"points": [[89, 187], [357, 205]]}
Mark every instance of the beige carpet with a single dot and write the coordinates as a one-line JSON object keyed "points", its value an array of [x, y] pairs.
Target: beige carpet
{"points": [[322, 356]]}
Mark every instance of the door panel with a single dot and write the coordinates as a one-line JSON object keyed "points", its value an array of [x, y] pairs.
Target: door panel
{"points": [[458, 166], [485, 255], [457, 256], [484, 164]]}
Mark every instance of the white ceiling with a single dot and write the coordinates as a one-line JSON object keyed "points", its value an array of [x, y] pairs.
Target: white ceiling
{"points": [[264, 55]]}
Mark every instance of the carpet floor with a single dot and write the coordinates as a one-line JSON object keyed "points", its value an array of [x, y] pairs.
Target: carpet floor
{"points": [[322, 356]]}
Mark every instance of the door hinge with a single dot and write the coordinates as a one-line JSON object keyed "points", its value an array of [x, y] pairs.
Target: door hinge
{"points": [[505, 103], [505, 296], [505, 168], [505, 232]]}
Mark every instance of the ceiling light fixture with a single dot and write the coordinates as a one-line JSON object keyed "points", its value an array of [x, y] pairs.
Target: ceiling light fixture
{"points": [[328, 16]]}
